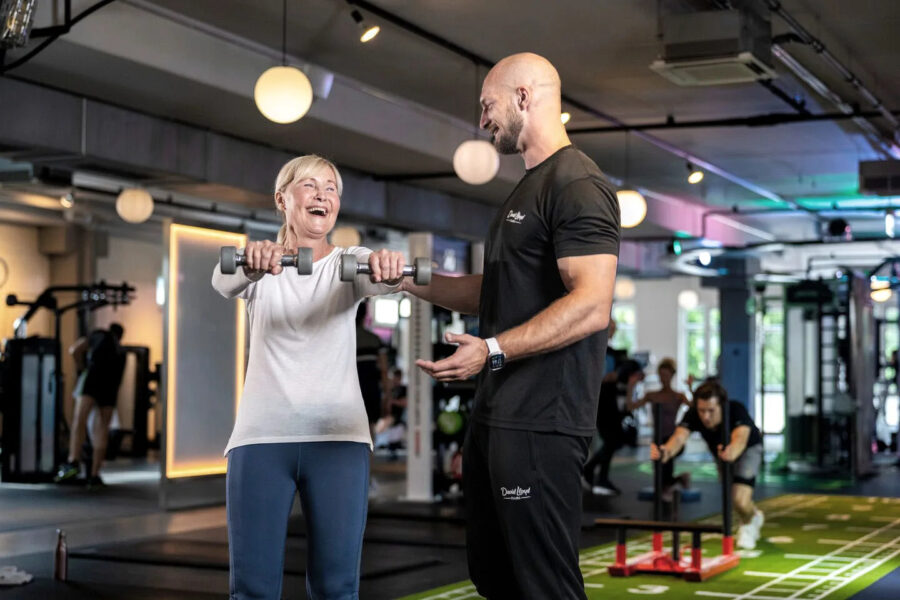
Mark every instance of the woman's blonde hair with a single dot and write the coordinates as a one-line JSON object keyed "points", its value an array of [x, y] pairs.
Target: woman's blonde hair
{"points": [[667, 363], [301, 168]]}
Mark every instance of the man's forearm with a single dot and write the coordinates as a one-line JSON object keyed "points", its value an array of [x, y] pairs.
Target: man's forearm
{"points": [[676, 442], [460, 294], [569, 319], [739, 438]]}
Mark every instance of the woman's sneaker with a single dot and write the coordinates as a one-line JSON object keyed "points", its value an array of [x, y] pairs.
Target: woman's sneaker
{"points": [[605, 488], [67, 470]]}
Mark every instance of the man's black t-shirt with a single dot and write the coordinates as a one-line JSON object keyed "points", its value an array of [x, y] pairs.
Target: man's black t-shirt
{"points": [[737, 415], [562, 207], [105, 366]]}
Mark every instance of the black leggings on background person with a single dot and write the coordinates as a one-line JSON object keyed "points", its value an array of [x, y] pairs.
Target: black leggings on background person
{"points": [[612, 440]]}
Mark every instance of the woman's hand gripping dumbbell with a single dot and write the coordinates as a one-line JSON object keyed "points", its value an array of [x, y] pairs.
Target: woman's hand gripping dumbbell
{"points": [[266, 256]]}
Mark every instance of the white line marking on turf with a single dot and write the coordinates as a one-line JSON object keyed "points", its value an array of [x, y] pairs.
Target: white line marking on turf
{"points": [[835, 577], [834, 542], [815, 557], [724, 595]]}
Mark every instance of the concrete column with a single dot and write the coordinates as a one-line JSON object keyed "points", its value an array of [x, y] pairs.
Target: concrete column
{"points": [[737, 362], [419, 409]]}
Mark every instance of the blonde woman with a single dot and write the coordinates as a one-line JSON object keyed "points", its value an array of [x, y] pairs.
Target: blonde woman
{"points": [[670, 402], [302, 424]]}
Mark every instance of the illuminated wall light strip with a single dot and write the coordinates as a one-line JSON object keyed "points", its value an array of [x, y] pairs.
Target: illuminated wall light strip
{"points": [[196, 468]]}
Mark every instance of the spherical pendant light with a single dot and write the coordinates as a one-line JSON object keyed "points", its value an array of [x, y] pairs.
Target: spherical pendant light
{"points": [[688, 299], [476, 162], [134, 205], [632, 207], [283, 94], [624, 289]]}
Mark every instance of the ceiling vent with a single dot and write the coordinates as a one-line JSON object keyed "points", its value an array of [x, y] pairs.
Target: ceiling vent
{"points": [[879, 177], [715, 47]]}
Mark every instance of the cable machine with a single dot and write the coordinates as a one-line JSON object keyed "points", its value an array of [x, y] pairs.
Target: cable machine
{"points": [[31, 384]]}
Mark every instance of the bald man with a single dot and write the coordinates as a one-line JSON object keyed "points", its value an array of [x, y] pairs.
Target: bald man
{"points": [[544, 304]]}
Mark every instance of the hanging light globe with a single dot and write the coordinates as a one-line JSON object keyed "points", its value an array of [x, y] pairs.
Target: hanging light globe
{"points": [[632, 206], [624, 289], [688, 299], [880, 290], [283, 94], [134, 205], [476, 162]]}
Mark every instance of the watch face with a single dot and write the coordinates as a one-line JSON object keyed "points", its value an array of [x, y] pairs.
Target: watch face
{"points": [[497, 362]]}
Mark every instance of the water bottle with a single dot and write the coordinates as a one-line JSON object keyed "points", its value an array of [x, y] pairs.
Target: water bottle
{"points": [[60, 557]]}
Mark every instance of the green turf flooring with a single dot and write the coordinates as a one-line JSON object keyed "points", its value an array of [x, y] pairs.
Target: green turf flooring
{"points": [[813, 547], [706, 470]]}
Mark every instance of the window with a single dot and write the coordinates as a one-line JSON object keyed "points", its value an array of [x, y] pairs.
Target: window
{"points": [[626, 332], [700, 343], [770, 337]]}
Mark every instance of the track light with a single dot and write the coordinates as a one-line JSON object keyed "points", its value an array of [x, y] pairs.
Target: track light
{"points": [[565, 117], [367, 32], [839, 229], [695, 175], [67, 201]]}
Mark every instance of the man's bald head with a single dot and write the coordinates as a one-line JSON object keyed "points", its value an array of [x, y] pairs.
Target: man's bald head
{"points": [[520, 102], [528, 70]]}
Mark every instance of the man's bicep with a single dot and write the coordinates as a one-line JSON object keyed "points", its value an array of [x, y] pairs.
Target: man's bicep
{"points": [[592, 271], [741, 431]]}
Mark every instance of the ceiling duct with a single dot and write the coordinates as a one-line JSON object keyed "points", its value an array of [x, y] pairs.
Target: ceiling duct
{"points": [[715, 47], [879, 177]]}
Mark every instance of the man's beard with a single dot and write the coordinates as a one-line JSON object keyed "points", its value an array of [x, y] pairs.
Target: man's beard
{"points": [[508, 141]]}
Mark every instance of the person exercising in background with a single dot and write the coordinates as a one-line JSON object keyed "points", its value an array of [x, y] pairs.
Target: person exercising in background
{"points": [[744, 451], [371, 367], [100, 361], [670, 401], [614, 402]]}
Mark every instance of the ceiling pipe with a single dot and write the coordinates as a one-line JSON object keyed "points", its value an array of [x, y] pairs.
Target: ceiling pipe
{"points": [[659, 143], [873, 136], [212, 214], [766, 120], [776, 7]]}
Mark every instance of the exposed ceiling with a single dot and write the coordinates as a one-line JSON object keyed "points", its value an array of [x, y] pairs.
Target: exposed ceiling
{"points": [[195, 62]]}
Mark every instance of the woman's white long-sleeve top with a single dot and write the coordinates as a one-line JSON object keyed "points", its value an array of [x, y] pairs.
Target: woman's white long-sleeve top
{"points": [[301, 383]]}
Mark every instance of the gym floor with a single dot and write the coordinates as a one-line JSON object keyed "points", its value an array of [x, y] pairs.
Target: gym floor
{"points": [[122, 546]]}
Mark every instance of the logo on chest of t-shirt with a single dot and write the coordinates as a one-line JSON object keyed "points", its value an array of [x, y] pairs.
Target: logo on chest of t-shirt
{"points": [[515, 493], [515, 217]]}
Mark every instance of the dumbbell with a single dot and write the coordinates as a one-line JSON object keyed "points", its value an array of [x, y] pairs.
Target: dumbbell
{"points": [[420, 271], [230, 260]]}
